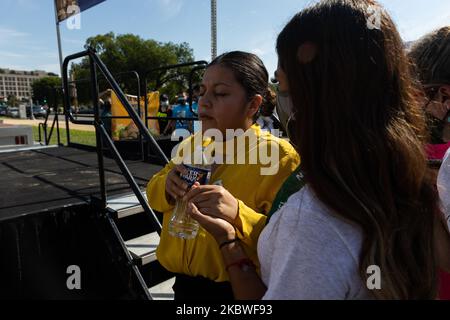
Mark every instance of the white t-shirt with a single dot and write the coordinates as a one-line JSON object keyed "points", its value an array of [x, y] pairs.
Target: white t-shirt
{"points": [[307, 253], [443, 185]]}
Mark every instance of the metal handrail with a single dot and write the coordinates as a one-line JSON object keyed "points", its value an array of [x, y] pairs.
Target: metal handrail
{"points": [[44, 128], [47, 138], [116, 88], [102, 135]]}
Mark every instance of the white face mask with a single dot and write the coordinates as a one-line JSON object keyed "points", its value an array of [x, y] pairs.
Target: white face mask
{"points": [[286, 114], [285, 108]]}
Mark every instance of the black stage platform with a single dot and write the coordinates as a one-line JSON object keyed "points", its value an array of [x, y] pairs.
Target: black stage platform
{"points": [[39, 180], [48, 223]]}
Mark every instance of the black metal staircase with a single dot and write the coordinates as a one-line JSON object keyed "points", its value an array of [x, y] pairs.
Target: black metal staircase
{"points": [[140, 268]]}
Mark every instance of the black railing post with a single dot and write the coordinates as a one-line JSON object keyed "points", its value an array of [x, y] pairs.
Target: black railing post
{"points": [[51, 129], [145, 144], [146, 103], [67, 123], [141, 141], [98, 134], [57, 129], [39, 132], [46, 141], [55, 106]]}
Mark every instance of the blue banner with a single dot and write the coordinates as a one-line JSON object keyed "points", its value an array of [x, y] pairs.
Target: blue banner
{"points": [[68, 8]]}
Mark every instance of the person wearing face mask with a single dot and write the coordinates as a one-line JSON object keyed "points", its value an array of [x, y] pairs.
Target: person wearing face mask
{"points": [[284, 107], [431, 58], [164, 112], [368, 201], [286, 118]]}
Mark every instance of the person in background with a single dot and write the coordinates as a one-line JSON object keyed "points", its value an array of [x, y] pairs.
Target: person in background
{"points": [[431, 58], [164, 112], [106, 115], [182, 110], [266, 119], [443, 185], [430, 55], [195, 97], [368, 206]]}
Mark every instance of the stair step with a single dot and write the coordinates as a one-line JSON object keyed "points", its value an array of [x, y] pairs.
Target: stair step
{"points": [[143, 248], [163, 290], [126, 206]]}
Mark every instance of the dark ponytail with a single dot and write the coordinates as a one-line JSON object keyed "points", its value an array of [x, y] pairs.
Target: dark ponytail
{"points": [[269, 103]]}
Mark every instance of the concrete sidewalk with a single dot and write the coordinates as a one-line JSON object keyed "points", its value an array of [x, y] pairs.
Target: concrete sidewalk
{"points": [[62, 124]]}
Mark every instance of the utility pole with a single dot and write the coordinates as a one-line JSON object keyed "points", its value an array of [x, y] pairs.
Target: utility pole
{"points": [[58, 36], [213, 29]]}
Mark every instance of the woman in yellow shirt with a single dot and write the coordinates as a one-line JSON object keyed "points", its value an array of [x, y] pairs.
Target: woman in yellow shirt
{"points": [[234, 87]]}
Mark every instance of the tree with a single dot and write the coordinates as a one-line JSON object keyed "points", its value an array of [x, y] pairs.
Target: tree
{"points": [[12, 101], [128, 52], [43, 90]]}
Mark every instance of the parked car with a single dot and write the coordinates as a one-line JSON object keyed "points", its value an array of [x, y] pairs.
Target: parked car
{"points": [[38, 111], [85, 110], [3, 110], [13, 112]]}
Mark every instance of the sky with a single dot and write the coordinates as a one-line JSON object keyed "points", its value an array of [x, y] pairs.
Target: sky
{"points": [[28, 30]]}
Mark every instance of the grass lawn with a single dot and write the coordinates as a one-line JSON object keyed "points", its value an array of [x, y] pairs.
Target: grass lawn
{"points": [[76, 136]]}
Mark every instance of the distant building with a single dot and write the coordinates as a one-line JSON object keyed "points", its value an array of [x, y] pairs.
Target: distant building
{"points": [[18, 83]]}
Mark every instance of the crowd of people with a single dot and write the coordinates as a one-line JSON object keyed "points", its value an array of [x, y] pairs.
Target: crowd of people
{"points": [[363, 183]]}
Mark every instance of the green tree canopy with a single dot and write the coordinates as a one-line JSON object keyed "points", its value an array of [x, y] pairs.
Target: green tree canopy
{"points": [[128, 52], [12, 101], [43, 90]]}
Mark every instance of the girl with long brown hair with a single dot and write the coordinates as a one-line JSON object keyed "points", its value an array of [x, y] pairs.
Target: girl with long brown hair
{"points": [[363, 226]]}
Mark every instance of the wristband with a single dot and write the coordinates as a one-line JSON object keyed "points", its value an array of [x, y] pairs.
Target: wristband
{"points": [[227, 242]]}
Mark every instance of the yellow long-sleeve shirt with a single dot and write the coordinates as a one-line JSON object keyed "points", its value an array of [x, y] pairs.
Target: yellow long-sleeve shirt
{"points": [[255, 192]]}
